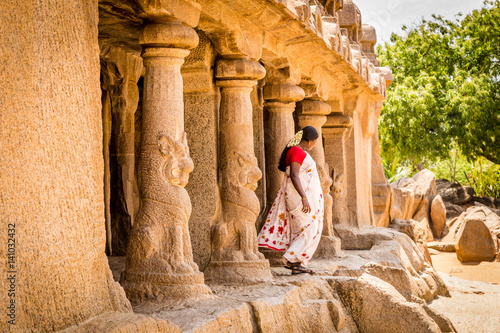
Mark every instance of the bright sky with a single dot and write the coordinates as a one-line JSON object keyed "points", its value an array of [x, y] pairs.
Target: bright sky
{"points": [[388, 16]]}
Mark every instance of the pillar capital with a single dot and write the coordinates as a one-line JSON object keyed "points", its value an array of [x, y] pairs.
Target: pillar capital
{"points": [[338, 120], [229, 69], [336, 125], [283, 93], [312, 107], [168, 35]]}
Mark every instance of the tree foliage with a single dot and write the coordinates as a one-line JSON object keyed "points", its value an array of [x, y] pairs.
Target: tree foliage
{"points": [[446, 88]]}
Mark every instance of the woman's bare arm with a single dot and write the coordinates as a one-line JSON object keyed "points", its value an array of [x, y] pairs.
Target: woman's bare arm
{"points": [[294, 175]]}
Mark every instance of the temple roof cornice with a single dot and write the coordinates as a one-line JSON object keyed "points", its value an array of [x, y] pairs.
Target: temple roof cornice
{"points": [[310, 39]]}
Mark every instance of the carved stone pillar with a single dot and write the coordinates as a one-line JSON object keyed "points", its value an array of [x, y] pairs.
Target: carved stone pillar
{"points": [[334, 132], [313, 113], [280, 128], [235, 256], [381, 189], [159, 261], [280, 102]]}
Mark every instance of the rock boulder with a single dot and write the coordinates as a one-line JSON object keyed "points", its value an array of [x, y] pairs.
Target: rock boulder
{"points": [[453, 210], [453, 192], [438, 216], [374, 305], [474, 242]]}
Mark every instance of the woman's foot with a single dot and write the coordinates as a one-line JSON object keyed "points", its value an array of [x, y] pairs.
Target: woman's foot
{"points": [[299, 269], [290, 265]]}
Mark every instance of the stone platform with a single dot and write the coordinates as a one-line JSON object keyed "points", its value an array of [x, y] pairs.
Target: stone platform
{"points": [[358, 291]]}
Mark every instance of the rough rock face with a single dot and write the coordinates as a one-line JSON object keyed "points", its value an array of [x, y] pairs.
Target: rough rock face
{"points": [[388, 247], [407, 196], [412, 198], [427, 182], [368, 302], [417, 232], [488, 202], [375, 304], [404, 226], [480, 213], [490, 219], [453, 210], [438, 216], [453, 192], [474, 242]]}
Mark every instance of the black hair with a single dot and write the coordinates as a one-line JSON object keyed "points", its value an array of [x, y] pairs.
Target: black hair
{"points": [[309, 133]]}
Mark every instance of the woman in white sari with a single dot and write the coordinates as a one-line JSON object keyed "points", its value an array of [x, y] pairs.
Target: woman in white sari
{"points": [[295, 220]]}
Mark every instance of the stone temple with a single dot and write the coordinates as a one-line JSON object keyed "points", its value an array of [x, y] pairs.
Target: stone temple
{"points": [[152, 129]]}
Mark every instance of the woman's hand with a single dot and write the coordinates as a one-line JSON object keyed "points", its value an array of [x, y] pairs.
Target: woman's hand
{"points": [[306, 208]]}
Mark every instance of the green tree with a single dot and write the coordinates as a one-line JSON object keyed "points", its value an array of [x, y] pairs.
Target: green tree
{"points": [[446, 89]]}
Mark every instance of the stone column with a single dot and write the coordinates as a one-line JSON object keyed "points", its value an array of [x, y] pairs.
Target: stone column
{"points": [[280, 102], [381, 189], [235, 256], [159, 261], [313, 113], [51, 169], [334, 132], [280, 128]]}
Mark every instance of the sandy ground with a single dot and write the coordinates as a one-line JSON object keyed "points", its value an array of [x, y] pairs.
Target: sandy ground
{"points": [[448, 263], [474, 305]]}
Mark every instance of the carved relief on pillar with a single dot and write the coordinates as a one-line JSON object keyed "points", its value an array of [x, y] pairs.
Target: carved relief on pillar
{"points": [[334, 132], [314, 113], [235, 255], [159, 262]]}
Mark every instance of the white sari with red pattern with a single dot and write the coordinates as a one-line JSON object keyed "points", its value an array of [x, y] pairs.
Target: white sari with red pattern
{"points": [[287, 227]]}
